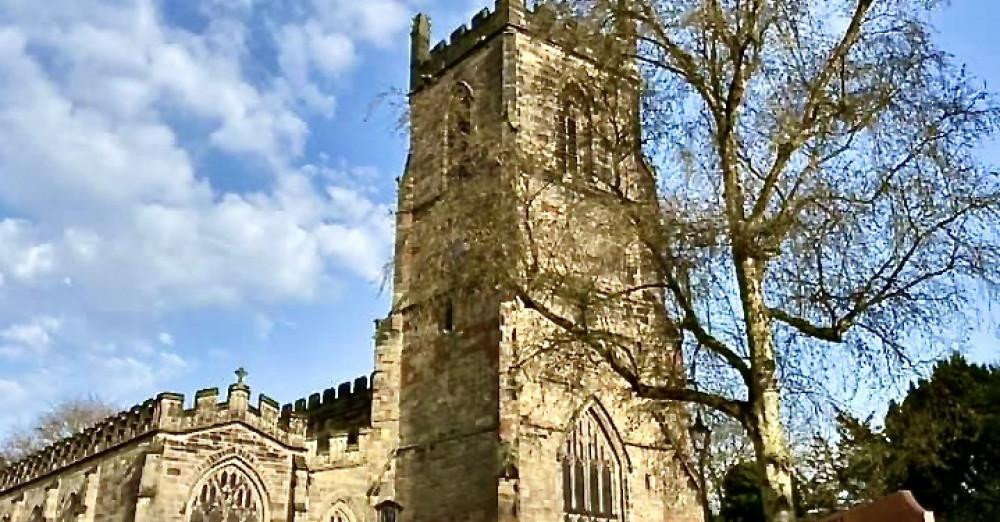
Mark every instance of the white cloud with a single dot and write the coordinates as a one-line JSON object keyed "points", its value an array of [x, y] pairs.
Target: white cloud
{"points": [[171, 361], [124, 374], [21, 255], [33, 337], [118, 208], [106, 113], [376, 21]]}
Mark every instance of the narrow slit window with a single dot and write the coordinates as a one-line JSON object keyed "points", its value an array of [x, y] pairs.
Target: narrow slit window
{"points": [[448, 317]]}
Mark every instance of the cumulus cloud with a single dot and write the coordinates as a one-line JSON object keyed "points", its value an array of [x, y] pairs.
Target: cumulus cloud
{"points": [[376, 21], [112, 186], [33, 337], [20, 255], [110, 217]]}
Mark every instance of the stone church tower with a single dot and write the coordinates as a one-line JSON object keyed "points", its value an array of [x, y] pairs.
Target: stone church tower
{"points": [[482, 436], [461, 420]]}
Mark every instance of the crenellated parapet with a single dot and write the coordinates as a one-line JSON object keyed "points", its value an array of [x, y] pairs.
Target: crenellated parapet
{"points": [[346, 408], [426, 62], [109, 433], [164, 414], [289, 428]]}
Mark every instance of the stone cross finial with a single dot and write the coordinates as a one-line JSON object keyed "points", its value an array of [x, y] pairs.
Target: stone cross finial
{"points": [[241, 375]]}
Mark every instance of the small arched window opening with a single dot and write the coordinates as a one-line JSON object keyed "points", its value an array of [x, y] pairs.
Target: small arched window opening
{"points": [[227, 494], [387, 511], [575, 135], [37, 515], [459, 136], [592, 470]]}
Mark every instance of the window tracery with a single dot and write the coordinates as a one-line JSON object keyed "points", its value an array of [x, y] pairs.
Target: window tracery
{"points": [[591, 471], [227, 495], [340, 513]]}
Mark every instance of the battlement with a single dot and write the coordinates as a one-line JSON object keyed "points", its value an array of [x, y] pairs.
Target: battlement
{"points": [[165, 413], [285, 426], [346, 407], [330, 397], [112, 431], [427, 62]]}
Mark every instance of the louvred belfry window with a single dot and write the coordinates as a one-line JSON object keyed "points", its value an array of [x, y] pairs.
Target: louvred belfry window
{"points": [[574, 135], [591, 471], [228, 495], [459, 131]]}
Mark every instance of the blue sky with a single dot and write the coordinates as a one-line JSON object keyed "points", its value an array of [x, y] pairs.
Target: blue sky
{"points": [[189, 187]]}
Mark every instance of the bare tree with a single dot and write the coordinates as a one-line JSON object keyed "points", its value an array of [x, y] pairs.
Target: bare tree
{"points": [[810, 200], [62, 420]]}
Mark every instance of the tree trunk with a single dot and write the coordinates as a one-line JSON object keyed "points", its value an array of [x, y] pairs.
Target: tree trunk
{"points": [[766, 429]]}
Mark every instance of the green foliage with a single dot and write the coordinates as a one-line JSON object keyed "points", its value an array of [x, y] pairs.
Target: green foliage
{"points": [[741, 496], [863, 455], [943, 442], [741, 501]]}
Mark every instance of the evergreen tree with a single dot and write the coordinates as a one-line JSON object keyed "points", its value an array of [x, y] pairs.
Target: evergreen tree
{"points": [[944, 442], [741, 497]]}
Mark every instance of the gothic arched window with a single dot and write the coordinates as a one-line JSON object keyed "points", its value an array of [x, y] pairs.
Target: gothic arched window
{"points": [[574, 135], [227, 494], [458, 138], [591, 470]]}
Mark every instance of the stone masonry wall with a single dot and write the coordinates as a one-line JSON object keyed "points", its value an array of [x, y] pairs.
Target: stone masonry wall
{"points": [[461, 457], [142, 465], [181, 460], [446, 464], [102, 489], [547, 402]]}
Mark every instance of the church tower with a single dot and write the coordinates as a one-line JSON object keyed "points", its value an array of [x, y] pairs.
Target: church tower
{"points": [[468, 427]]}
